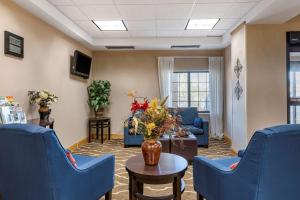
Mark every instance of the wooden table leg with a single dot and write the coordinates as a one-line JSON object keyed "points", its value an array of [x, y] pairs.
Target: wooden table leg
{"points": [[177, 188], [132, 188], [140, 187], [108, 130], [102, 132], [90, 134], [97, 130]]}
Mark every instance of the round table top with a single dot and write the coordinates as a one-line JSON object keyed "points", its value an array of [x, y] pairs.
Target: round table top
{"points": [[169, 164]]}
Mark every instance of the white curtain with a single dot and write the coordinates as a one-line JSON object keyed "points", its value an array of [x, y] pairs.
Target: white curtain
{"points": [[165, 71], [216, 73]]}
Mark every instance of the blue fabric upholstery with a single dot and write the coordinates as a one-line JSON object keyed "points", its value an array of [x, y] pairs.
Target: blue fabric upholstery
{"points": [[132, 140], [189, 116], [34, 166], [269, 169]]}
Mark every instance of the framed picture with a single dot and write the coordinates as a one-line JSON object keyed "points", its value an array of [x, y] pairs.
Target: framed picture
{"points": [[12, 115], [13, 44]]}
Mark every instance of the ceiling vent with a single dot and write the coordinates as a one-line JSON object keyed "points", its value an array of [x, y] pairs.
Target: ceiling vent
{"points": [[119, 47], [185, 46]]}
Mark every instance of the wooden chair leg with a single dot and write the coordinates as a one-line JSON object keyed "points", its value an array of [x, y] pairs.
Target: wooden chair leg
{"points": [[199, 196], [108, 195]]}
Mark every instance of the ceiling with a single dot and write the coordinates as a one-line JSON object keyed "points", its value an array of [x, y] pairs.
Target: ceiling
{"points": [[151, 24]]}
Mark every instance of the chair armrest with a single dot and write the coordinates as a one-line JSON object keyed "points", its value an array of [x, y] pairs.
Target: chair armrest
{"points": [[96, 177], [241, 153], [205, 126]]}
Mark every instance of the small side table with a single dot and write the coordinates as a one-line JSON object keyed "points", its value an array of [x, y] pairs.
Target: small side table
{"points": [[170, 169], [44, 123], [99, 122]]}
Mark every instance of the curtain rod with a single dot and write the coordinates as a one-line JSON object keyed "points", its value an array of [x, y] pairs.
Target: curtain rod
{"points": [[191, 56]]}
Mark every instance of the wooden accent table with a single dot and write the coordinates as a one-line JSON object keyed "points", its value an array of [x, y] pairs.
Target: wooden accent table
{"points": [[99, 122], [186, 147], [43, 123], [170, 169]]}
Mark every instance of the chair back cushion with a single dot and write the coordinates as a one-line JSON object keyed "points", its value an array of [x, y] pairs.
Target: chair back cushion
{"points": [[273, 156], [31, 162], [188, 115]]}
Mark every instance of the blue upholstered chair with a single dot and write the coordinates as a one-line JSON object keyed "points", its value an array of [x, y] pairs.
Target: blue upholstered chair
{"points": [[132, 140], [34, 166], [269, 169], [196, 125]]}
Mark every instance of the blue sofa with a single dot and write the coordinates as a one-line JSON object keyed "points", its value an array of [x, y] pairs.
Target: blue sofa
{"points": [[34, 166], [132, 140], [269, 169], [196, 125]]}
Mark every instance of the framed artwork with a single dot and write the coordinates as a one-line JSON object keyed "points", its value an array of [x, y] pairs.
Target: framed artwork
{"points": [[12, 115], [13, 44]]}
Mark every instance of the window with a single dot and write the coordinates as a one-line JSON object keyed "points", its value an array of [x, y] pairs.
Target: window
{"points": [[191, 89]]}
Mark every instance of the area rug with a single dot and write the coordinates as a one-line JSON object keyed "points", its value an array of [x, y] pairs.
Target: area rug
{"points": [[216, 149]]}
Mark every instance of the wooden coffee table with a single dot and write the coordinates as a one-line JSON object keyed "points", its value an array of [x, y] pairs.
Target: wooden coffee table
{"points": [[170, 169]]}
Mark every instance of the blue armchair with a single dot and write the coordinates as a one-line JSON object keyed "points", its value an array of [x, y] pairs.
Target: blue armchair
{"points": [[269, 169], [196, 125], [34, 166]]}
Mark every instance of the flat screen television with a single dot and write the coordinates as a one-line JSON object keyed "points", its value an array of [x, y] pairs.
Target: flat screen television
{"points": [[81, 65]]}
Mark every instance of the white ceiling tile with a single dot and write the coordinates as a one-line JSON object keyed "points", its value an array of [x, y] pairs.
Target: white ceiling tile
{"points": [[226, 23], [61, 2], [145, 33], [89, 27], [221, 10], [140, 25], [72, 12], [226, 1], [137, 12], [101, 12], [171, 24], [114, 34], [92, 2], [153, 1], [173, 11], [202, 33], [168, 33]]}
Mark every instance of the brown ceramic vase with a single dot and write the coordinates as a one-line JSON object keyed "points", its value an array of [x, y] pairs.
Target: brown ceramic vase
{"points": [[151, 151]]}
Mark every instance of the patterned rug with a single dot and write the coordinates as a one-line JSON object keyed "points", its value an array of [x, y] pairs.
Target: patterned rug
{"points": [[216, 149]]}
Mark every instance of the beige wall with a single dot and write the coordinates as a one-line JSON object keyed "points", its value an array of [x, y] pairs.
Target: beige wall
{"points": [[190, 64], [45, 66], [239, 112], [228, 91], [266, 77], [134, 70]]}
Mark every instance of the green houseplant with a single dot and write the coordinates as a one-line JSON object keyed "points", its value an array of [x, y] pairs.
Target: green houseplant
{"points": [[99, 92]]}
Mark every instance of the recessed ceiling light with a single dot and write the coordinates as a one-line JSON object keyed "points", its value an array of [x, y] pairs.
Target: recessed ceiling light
{"points": [[116, 25], [196, 24]]}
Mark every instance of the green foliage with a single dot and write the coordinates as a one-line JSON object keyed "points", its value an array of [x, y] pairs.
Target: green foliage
{"points": [[99, 92]]}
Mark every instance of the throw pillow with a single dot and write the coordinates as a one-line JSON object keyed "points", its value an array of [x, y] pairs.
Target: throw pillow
{"points": [[234, 165], [198, 122], [71, 158]]}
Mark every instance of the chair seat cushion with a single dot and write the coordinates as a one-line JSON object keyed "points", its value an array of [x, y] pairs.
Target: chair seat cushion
{"points": [[81, 160], [194, 130], [226, 162]]}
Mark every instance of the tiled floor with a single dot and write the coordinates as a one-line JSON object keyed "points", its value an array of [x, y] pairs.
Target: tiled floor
{"points": [[120, 192]]}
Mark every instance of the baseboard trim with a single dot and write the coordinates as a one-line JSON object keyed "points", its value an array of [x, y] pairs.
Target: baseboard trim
{"points": [[114, 136]]}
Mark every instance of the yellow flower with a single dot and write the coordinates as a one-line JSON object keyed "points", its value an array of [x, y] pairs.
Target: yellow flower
{"points": [[150, 127], [154, 103], [131, 93]]}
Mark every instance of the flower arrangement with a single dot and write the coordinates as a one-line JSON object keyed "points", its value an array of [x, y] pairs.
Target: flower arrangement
{"points": [[42, 98], [151, 119]]}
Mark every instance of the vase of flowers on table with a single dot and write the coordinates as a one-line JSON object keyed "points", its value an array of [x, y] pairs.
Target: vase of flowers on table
{"points": [[152, 121], [44, 99]]}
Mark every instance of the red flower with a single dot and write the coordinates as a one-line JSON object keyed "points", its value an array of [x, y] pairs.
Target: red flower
{"points": [[137, 106]]}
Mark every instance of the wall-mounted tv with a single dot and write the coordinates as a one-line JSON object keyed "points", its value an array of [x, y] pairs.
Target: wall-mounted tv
{"points": [[81, 64]]}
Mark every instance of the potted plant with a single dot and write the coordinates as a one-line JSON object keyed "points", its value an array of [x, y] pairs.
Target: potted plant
{"points": [[154, 120], [44, 99], [99, 92]]}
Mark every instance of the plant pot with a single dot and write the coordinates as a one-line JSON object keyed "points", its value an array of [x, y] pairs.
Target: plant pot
{"points": [[151, 151], [44, 112], [99, 113]]}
